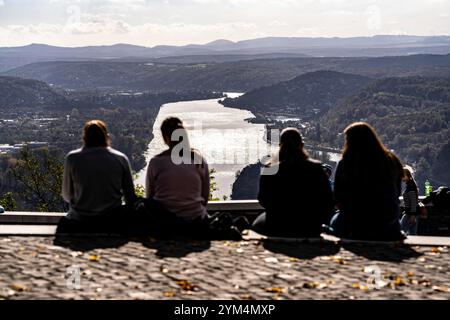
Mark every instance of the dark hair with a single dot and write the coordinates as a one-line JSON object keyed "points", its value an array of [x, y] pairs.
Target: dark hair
{"points": [[95, 134], [168, 127], [291, 146], [364, 152]]}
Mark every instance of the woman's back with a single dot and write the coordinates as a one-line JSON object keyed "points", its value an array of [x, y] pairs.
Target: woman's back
{"points": [[182, 189], [298, 198], [372, 195], [367, 185]]}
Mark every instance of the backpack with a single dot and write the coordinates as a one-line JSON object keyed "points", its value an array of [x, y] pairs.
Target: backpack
{"points": [[441, 198]]}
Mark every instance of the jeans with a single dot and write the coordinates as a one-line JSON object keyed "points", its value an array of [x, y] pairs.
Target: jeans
{"points": [[341, 227], [407, 227]]}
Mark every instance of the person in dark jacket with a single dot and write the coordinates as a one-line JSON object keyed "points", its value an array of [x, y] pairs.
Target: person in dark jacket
{"points": [[294, 191], [367, 187]]}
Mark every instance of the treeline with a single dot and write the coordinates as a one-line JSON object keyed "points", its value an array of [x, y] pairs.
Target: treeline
{"points": [[411, 114]]}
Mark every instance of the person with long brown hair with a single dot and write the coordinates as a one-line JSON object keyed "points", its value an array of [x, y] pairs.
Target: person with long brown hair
{"points": [[295, 192], [96, 178], [367, 187]]}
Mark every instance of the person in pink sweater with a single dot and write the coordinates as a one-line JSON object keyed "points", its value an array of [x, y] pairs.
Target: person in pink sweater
{"points": [[177, 181]]}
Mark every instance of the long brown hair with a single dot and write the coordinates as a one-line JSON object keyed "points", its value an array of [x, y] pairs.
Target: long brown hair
{"points": [[95, 134], [291, 146], [365, 153]]}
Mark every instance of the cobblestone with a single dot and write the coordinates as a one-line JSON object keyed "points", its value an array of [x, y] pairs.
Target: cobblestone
{"points": [[119, 268]]}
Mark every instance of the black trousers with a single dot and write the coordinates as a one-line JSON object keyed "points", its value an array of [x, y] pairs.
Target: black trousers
{"points": [[118, 220]]}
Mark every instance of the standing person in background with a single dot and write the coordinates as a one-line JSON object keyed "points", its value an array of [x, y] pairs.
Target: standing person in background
{"points": [[96, 179], [296, 195], [329, 171], [409, 220], [367, 187]]}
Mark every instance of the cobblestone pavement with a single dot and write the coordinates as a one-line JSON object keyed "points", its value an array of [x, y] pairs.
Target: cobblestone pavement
{"points": [[116, 268]]}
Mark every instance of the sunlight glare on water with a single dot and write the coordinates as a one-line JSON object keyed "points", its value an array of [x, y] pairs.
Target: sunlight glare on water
{"points": [[228, 142]]}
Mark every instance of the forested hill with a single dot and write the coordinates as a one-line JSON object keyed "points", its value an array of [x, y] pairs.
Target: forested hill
{"points": [[411, 114], [234, 76], [319, 91], [26, 93]]}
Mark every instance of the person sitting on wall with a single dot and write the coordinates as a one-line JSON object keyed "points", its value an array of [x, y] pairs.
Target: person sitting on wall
{"points": [[367, 187], [178, 189], [96, 179], [295, 192]]}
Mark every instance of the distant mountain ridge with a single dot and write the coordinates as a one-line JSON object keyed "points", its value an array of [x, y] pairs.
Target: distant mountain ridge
{"points": [[229, 76], [382, 45]]}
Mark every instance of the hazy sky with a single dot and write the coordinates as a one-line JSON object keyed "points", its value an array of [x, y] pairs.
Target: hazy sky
{"points": [[153, 22]]}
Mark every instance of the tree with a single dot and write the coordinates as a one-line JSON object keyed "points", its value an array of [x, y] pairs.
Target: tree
{"points": [[8, 202], [212, 185], [39, 175]]}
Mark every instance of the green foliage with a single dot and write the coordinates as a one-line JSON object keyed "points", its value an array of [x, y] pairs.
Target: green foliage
{"points": [[410, 114], [139, 190], [39, 175], [8, 202], [213, 185]]}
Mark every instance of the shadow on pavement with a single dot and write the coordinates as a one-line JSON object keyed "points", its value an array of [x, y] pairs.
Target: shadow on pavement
{"points": [[87, 242], [302, 250], [176, 248], [383, 252]]}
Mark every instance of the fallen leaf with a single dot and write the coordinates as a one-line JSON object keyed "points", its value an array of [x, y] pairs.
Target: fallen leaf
{"points": [[247, 297], [18, 287], [275, 290], [410, 274], [294, 259], [360, 286], [339, 260], [169, 294], [94, 258], [185, 285], [399, 282]]}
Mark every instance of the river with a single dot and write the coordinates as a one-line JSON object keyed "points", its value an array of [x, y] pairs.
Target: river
{"points": [[228, 142]]}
